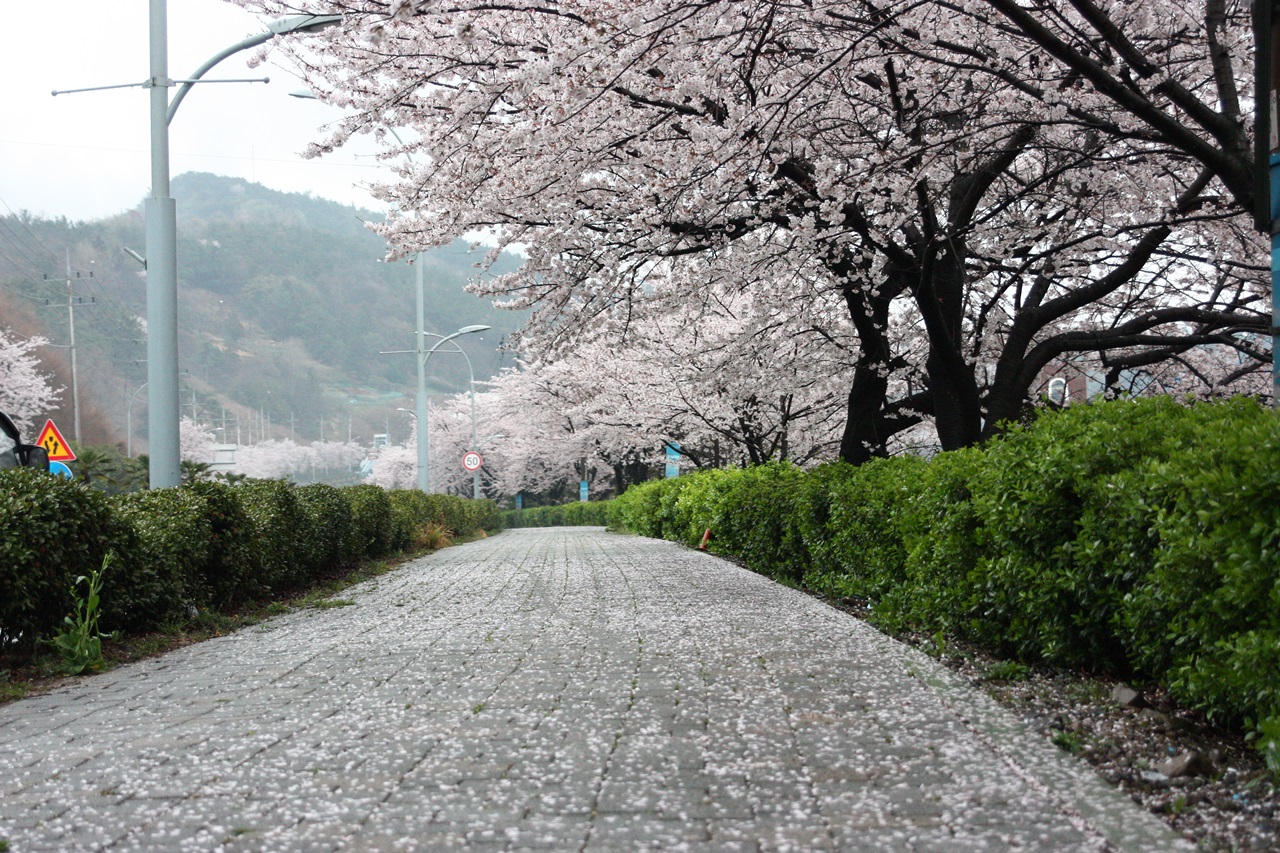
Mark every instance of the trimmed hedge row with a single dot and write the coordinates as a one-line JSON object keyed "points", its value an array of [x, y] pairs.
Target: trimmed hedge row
{"points": [[205, 545], [1139, 538], [581, 514]]}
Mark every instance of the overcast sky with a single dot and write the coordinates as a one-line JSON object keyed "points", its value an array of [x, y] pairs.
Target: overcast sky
{"points": [[87, 155]]}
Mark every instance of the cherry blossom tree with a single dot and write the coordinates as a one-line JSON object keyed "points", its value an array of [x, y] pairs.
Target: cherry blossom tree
{"points": [[977, 198], [195, 441], [26, 392], [395, 468], [277, 458]]}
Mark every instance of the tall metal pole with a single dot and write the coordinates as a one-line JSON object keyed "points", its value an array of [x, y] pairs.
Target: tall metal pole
{"points": [[424, 457], [475, 475], [424, 460], [71, 332], [162, 273]]}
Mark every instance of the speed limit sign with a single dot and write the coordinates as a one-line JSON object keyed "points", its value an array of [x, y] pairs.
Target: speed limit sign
{"points": [[472, 461]]}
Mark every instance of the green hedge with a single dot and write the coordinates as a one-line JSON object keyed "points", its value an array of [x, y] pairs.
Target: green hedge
{"points": [[153, 581], [1129, 537], [202, 545], [231, 573], [413, 511], [53, 532], [330, 522], [580, 514]]}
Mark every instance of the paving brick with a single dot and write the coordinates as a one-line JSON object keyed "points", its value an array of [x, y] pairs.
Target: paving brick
{"points": [[563, 689]]}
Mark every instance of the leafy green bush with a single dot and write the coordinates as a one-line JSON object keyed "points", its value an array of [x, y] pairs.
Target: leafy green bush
{"points": [[1206, 616], [639, 508], [451, 512], [54, 531], [231, 572], [942, 538], [751, 515], [862, 551], [165, 571], [277, 519], [411, 510], [579, 514], [374, 532], [326, 547], [1056, 570], [694, 506]]}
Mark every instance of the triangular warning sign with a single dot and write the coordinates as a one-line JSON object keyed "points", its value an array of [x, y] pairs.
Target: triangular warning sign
{"points": [[52, 441]]}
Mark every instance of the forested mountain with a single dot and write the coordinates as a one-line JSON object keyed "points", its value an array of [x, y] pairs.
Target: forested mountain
{"points": [[284, 307]]}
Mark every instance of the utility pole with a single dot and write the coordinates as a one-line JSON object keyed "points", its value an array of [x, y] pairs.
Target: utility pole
{"points": [[71, 334]]}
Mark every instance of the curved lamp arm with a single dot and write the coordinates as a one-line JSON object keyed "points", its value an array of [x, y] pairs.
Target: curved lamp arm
{"points": [[283, 26]]}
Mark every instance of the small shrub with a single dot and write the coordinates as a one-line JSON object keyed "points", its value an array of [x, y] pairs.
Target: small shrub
{"points": [[231, 572], [865, 555], [277, 519], [374, 532], [165, 570], [326, 545], [54, 531], [942, 538], [1046, 497]]}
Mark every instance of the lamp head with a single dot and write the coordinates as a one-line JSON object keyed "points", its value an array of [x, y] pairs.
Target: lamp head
{"points": [[302, 24]]}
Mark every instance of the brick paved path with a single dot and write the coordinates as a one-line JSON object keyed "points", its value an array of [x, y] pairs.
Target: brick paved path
{"points": [[559, 689]]}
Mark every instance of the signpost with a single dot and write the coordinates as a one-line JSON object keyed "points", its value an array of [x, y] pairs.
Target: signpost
{"points": [[53, 442], [472, 461]]}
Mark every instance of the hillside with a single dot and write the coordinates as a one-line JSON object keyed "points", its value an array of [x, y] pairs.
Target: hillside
{"points": [[284, 307]]}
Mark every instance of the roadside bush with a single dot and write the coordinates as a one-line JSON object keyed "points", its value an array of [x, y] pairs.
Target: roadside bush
{"points": [[1207, 616], [1057, 565], [862, 551], [751, 517], [277, 521], [411, 512], [639, 508], [231, 570], [374, 532], [942, 537], [326, 547], [452, 513], [587, 514], [153, 581], [536, 516], [483, 515], [812, 514], [674, 521], [579, 514], [54, 531], [696, 506]]}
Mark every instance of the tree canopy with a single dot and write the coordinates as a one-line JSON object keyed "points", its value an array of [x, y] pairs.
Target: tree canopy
{"points": [[934, 204]]}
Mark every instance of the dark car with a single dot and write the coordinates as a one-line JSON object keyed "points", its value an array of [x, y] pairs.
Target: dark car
{"points": [[14, 453]]}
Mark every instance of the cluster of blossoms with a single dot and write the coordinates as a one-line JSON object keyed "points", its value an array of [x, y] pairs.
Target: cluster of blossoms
{"points": [[825, 226]]}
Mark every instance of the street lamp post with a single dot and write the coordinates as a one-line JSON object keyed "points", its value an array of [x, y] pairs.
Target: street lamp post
{"points": [[424, 453], [162, 236], [129, 421], [161, 225]]}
